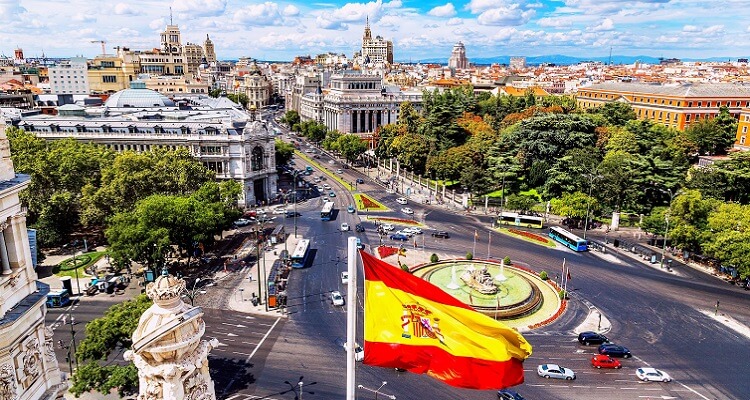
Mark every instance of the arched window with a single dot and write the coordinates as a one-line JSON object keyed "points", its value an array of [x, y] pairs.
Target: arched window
{"points": [[256, 159]]}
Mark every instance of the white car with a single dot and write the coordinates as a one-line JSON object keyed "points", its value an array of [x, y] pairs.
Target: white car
{"points": [[404, 232], [388, 227], [326, 186], [279, 211], [359, 353], [242, 222], [414, 230], [337, 298], [344, 277], [331, 162], [555, 371], [344, 227], [339, 171], [652, 375], [407, 210], [402, 201]]}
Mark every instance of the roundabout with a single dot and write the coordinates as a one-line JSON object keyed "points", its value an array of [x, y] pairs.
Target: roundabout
{"points": [[511, 294]]}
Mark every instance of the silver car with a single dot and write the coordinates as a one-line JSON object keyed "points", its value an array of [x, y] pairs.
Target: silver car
{"points": [[555, 371]]}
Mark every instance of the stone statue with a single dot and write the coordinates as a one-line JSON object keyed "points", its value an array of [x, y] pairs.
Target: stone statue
{"points": [[479, 280], [171, 358]]}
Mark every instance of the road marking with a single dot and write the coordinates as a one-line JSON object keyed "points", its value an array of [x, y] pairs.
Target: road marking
{"points": [[239, 352], [692, 390], [250, 356]]}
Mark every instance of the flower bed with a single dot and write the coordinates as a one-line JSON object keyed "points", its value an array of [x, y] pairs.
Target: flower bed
{"points": [[385, 251], [400, 221], [529, 235], [366, 202], [551, 319]]}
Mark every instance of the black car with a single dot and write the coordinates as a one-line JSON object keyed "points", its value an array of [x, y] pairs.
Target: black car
{"points": [[292, 214], [441, 234], [359, 228], [614, 350], [587, 338], [360, 180], [507, 394]]}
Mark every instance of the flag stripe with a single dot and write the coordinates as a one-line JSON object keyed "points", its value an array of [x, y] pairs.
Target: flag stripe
{"points": [[464, 372]]}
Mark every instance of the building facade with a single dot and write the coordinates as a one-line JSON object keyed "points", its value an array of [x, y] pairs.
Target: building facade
{"points": [[28, 367], [110, 74], [458, 57], [742, 142], [674, 106], [69, 77], [517, 63], [255, 85], [209, 51], [215, 131], [376, 50]]}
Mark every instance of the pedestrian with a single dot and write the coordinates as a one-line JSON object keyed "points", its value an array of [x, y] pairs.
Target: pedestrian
{"points": [[60, 344], [65, 319]]}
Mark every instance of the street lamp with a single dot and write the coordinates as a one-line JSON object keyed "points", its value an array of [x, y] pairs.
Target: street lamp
{"points": [[666, 220], [377, 391], [193, 293], [295, 204], [298, 388], [75, 267]]}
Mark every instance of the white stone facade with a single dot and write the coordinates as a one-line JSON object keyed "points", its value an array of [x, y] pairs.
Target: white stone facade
{"points": [[458, 57], [28, 367]]}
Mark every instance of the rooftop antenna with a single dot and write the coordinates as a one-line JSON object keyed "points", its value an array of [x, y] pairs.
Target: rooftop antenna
{"points": [[610, 56], [170, 16]]}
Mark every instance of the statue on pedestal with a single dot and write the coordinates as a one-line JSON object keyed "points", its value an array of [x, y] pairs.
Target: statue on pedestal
{"points": [[171, 358]]}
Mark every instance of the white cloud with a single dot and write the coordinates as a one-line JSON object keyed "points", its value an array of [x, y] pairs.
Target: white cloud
{"points": [[430, 26], [126, 9], [325, 23], [505, 16], [714, 29], [10, 9], [443, 11], [606, 25], [199, 8], [126, 32], [80, 17], [477, 6], [459, 21], [690, 28], [290, 11], [263, 14]]}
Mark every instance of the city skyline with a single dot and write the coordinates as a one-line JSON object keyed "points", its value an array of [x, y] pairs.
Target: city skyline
{"points": [[280, 30]]}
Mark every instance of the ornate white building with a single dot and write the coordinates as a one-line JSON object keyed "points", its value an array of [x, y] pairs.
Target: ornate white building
{"points": [[255, 85], [28, 368], [458, 58], [171, 358], [376, 50], [216, 131]]}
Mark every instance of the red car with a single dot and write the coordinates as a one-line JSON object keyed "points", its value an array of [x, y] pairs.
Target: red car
{"points": [[605, 361]]}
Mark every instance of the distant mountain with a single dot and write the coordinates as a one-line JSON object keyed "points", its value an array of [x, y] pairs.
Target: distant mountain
{"points": [[559, 59]]}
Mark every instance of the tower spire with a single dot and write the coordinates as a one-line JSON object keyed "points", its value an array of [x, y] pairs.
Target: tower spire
{"points": [[170, 16]]}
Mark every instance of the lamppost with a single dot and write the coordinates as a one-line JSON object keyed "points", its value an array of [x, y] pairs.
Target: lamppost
{"points": [[75, 267], [295, 203], [72, 358], [591, 177], [193, 293], [377, 391], [666, 220], [298, 388]]}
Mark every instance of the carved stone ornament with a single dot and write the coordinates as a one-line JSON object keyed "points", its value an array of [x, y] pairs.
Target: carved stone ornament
{"points": [[8, 387], [30, 362], [49, 346]]}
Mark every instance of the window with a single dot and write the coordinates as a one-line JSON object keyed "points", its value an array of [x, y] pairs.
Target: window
{"points": [[690, 103], [256, 159], [700, 104], [744, 129]]}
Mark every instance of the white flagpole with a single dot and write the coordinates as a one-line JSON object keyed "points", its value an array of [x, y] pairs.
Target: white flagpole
{"points": [[489, 242], [351, 316], [565, 273], [562, 278]]}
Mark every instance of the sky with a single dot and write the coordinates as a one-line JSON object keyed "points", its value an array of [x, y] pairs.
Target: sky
{"points": [[419, 29]]}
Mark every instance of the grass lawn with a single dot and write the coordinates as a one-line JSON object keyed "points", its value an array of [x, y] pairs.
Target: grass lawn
{"points": [[325, 170], [68, 267]]}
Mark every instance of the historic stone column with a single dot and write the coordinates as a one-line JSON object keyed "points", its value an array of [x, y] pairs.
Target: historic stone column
{"points": [[171, 358]]}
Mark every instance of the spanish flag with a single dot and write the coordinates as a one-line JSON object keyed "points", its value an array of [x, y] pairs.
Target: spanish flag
{"points": [[414, 325]]}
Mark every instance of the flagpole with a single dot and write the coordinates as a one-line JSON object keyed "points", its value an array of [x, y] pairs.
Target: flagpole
{"points": [[351, 316], [489, 242], [562, 277], [474, 249], [565, 270]]}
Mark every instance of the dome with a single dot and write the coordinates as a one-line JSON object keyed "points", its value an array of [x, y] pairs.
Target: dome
{"points": [[138, 98]]}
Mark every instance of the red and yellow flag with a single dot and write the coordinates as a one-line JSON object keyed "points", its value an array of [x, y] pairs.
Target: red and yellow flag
{"points": [[412, 324]]}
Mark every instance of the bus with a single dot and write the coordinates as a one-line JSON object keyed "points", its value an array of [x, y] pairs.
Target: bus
{"points": [[327, 212], [60, 298], [568, 239], [299, 256], [527, 221]]}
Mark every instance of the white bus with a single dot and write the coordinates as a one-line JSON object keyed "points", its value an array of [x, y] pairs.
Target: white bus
{"points": [[299, 256], [327, 212]]}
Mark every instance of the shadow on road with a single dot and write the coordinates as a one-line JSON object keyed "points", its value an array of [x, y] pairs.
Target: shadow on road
{"points": [[230, 375]]}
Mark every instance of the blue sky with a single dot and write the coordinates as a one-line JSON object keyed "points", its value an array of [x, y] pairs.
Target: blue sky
{"points": [[279, 30]]}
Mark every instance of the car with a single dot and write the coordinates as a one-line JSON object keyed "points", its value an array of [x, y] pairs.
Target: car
{"points": [[322, 177], [360, 181], [326, 186], [339, 171], [344, 227], [508, 394], [359, 244], [404, 232], [605, 361], [387, 227], [316, 156], [344, 277], [279, 211], [414, 230], [441, 234], [399, 236], [407, 210], [589, 337], [652, 375], [317, 179], [331, 194], [308, 151], [331, 162], [402, 201], [359, 353], [337, 298], [350, 209], [614, 350], [293, 214], [359, 228], [555, 371], [242, 222]]}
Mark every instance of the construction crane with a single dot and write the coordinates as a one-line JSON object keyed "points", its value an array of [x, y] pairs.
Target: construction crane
{"points": [[103, 42]]}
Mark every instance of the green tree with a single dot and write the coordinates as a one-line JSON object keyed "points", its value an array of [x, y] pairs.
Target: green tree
{"points": [[215, 93], [331, 140], [103, 336], [574, 205], [730, 241], [615, 113], [240, 98], [284, 152], [520, 202], [291, 118], [351, 147], [714, 135]]}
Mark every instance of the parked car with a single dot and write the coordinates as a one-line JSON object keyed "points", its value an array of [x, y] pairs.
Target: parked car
{"points": [[387, 227], [441, 234], [508, 394], [399, 236], [360, 181], [337, 298], [344, 227], [605, 361], [407, 210], [555, 371], [344, 277], [588, 337], [614, 350], [242, 222], [359, 228], [402, 201], [652, 375], [350, 209]]}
